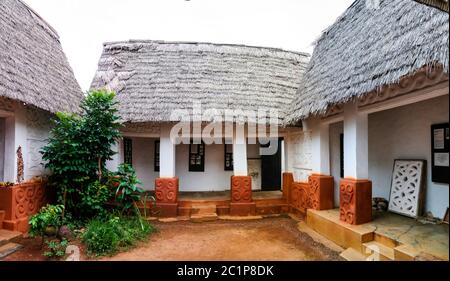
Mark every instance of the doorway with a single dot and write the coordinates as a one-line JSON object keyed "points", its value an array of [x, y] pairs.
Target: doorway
{"points": [[271, 166]]}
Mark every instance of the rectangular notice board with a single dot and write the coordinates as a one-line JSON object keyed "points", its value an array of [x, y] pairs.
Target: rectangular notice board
{"points": [[440, 153]]}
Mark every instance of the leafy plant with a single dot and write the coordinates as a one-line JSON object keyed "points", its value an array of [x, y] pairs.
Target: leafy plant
{"points": [[49, 215], [127, 190], [56, 248], [79, 147], [106, 237], [94, 199]]}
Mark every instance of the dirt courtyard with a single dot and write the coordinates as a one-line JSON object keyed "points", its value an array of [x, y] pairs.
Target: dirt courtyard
{"points": [[269, 239], [266, 239]]}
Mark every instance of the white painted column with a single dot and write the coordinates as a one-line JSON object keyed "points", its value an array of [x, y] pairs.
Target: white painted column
{"points": [[240, 154], [117, 158], [356, 155], [320, 145], [167, 153]]}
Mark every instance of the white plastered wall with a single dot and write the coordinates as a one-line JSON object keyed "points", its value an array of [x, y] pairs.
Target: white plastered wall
{"points": [[28, 127], [405, 133]]}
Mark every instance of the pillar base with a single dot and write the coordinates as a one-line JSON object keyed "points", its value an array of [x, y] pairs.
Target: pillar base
{"points": [[321, 192], [355, 201], [167, 210], [243, 209], [166, 193], [241, 189]]}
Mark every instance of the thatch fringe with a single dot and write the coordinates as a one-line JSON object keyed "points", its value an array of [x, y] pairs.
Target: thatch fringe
{"points": [[33, 66], [369, 47], [154, 78], [440, 4]]}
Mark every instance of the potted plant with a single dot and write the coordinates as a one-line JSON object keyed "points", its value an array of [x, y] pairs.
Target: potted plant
{"points": [[47, 221]]}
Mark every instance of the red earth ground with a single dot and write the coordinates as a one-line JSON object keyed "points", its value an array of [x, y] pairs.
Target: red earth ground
{"points": [[266, 239]]}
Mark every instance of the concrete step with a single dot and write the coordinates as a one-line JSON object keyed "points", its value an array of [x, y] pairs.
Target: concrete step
{"points": [[204, 217], [378, 251], [351, 254], [7, 236], [198, 209], [406, 253], [8, 249]]}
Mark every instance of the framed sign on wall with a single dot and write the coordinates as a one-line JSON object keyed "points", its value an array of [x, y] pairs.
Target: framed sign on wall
{"points": [[440, 153]]}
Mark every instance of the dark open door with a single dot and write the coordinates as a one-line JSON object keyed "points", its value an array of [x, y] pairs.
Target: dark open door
{"points": [[271, 170]]}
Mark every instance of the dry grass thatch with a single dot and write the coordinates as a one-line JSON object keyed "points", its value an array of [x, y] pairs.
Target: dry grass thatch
{"points": [[152, 78], [370, 47], [33, 66]]}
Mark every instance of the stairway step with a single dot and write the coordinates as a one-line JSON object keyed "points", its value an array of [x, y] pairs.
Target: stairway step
{"points": [[198, 209], [204, 217], [8, 249], [351, 254], [7, 236], [385, 253]]}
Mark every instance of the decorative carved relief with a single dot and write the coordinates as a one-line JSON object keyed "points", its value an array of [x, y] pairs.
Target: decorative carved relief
{"points": [[314, 192], [299, 150], [407, 187], [241, 189], [166, 190], [356, 201], [347, 208], [38, 123], [34, 163], [300, 196], [38, 128], [425, 77], [28, 198]]}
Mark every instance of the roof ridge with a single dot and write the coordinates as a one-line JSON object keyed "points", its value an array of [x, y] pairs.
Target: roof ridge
{"points": [[148, 41], [32, 11]]}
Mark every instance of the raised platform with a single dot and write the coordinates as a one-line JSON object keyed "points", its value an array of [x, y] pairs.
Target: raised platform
{"points": [[389, 236], [201, 206]]}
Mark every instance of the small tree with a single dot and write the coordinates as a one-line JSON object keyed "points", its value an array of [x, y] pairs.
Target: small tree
{"points": [[80, 145]]}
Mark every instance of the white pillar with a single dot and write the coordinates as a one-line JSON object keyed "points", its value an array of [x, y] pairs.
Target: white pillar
{"points": [[320, 146], [167, 153], [117, 158], [356, 159], [240, 154]]}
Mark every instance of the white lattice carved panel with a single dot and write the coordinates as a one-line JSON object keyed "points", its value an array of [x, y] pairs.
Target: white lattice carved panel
{"points": [[407, 187]]}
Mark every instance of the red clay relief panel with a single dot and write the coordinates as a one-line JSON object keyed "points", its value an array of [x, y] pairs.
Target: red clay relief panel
{"points": [[166, 190], [321, 192], [355, 201], [19, 202], [241, 189], [300, 196]]}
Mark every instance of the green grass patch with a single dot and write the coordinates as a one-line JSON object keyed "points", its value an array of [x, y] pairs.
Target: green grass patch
{"points": [[108, 236]]}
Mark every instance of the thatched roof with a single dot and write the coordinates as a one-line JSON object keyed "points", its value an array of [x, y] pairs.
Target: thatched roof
{"points": [[369, 47], [33, 67], [152, 78]]}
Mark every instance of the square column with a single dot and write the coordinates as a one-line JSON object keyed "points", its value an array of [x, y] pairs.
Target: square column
{"points": [[320, 146], [166, 186], [355, 189], [320, 183], [241, 183]]}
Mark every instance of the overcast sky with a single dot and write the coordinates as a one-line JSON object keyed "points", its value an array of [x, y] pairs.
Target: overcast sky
{"points": [[84, 25]]}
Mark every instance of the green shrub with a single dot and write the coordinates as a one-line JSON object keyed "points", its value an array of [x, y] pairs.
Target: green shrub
{"points": [[56, 248], [106, 237], [79, 146], [49, 215], [94, 199], [127, 190]]}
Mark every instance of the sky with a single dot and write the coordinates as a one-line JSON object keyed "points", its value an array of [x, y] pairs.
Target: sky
{"points": [[83, 25]]}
